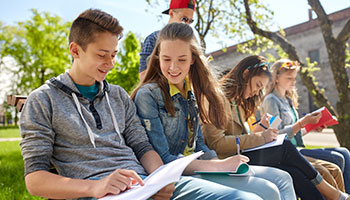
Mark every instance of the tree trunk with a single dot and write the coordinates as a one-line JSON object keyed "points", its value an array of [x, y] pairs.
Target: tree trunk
{"points": [[42, 76], [16, 117], [342, 131], [336, 53]]}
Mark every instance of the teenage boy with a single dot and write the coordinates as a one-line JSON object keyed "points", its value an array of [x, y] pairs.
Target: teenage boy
{"points": [[88, 129], [179, 11]]}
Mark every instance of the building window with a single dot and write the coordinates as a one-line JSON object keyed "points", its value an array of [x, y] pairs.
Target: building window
{"points": [[314, 55]]}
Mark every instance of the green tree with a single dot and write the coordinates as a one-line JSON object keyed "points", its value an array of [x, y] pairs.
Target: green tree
{"points": [[38, 48], [125, 73]]}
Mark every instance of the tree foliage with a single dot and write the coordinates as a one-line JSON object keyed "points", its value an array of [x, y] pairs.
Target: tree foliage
{"points": [[224, 19], [37, 49], [125, 73]]}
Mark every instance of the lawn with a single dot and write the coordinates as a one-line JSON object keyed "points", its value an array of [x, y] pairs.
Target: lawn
{"points": [[11, 169], [316, 147], [9, 133]]}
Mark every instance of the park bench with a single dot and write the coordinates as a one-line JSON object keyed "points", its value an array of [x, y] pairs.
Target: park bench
{"points": [[16, 101]]}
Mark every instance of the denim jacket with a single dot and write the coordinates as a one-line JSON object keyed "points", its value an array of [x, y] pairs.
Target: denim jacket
{"points": [[279, 106], [168, 134]]}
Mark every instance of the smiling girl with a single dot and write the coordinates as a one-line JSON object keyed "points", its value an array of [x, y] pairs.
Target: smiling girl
{"points": [[170, 102]]}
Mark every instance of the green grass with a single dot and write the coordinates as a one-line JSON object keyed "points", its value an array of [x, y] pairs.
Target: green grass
{"points": [[12, 184], [316, 147], [9, 133]]}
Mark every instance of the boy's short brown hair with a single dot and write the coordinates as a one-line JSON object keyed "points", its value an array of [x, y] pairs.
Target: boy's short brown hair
{"points": [[92, 21]]}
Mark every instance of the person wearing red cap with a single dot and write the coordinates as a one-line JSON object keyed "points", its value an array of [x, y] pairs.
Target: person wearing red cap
{"points": [[179, 11]]}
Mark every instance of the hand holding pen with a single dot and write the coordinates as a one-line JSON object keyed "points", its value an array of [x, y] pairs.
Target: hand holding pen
{"points": [[262, 123], [269, 134]]}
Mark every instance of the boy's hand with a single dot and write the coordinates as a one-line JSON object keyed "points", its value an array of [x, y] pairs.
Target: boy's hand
{"points": [[270, 135], [117, 182], [165, 193]]}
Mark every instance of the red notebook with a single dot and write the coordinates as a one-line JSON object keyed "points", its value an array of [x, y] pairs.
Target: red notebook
{"points": [[326, 119]]}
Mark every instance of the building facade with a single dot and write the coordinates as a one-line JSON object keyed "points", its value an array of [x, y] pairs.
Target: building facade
{"points": [[308, 41]]}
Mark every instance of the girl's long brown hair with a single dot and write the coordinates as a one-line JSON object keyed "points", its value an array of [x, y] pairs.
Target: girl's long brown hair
{"points": [[275, 71], [205, 86], [234, 83]]}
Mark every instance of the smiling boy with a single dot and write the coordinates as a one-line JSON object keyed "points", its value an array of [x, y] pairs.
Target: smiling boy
{"points": [[88, 129]]}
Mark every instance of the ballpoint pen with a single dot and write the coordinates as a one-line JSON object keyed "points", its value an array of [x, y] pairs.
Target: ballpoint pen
{"points": [[238, 146], [262, 125], [258, 122]]}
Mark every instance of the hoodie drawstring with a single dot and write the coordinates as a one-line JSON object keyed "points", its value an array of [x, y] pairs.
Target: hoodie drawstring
{"points": [[91, 134], [116, 127]]}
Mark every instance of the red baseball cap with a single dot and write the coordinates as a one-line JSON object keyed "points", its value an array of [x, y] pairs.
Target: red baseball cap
{"points": [[176, 4]]}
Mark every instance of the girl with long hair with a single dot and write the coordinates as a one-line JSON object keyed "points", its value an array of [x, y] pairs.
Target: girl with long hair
{"points": [[282, 100], [243, 87], [171, 101]]}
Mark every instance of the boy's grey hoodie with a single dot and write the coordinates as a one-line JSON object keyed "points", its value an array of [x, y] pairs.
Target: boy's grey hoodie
{"points": [[53, 130]]}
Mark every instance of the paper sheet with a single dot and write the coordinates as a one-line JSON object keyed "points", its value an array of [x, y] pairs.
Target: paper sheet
{"points": [[161, 177], [277, 142]]}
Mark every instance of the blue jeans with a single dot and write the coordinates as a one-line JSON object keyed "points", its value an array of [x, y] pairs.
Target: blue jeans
{"points": [[268, 182], [192, 188], [338, 155], [287, 157]]}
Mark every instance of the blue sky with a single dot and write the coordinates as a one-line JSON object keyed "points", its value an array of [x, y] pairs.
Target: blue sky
{"points": [[137, 16]]}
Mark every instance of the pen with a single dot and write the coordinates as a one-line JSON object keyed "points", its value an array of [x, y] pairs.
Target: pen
{"points": [[256, 122], [262, 125], [238, 146]]}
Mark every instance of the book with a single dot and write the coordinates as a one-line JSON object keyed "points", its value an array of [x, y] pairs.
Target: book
{"points": [[326, 119], [243, 169], [278, 141], [158, 179]]}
